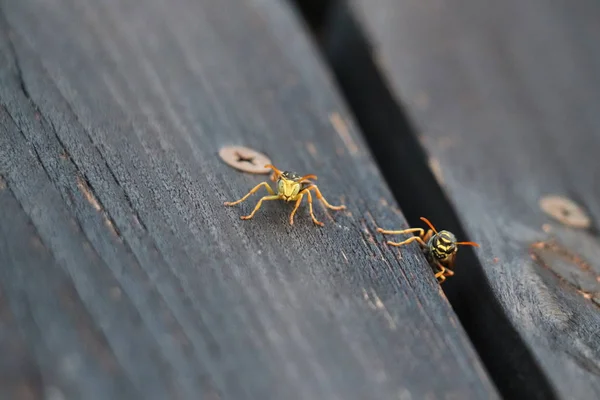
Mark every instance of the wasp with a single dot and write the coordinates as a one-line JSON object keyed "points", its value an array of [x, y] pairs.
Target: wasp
{"points": [[440, 248], [290, 187]]}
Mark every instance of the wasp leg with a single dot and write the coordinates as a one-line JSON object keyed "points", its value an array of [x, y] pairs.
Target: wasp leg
{"points": [[427, 236], [258, 206], [410, 230], [310, 209], [300, 196], [440, 274], [407, 241], [254, 190], [443, 273], [320, 197]]}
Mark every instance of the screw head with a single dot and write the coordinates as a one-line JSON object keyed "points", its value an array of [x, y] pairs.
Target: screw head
{"points": [[566, 211], [245, 159]]}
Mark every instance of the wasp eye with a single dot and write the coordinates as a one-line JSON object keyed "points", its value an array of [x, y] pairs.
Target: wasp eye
{"points": [[280, 186], [296, 189]]}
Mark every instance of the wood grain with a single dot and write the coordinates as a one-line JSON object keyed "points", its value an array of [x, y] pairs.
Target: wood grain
{"points": [[504, 98], [127, 276]]}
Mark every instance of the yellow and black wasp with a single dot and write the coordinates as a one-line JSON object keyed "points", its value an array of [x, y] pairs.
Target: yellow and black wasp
{"points": [[290, 187], [440, 248]]}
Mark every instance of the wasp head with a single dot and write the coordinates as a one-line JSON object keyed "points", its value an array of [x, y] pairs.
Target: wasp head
{"points": [[443, 246], [289, 185]]}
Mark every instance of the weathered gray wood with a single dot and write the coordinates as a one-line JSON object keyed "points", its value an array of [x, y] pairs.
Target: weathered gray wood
{"points": [[505, 97], [125, 274]]}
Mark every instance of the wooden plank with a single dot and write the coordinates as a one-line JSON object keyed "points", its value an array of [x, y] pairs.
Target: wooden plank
{"points": [[126, 275], [504, 97], [69, 352], [19, 372]]}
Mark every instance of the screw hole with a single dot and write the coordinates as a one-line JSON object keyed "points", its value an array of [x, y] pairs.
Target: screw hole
{"points": [[241, 158], [565, 211], [245, 159]]}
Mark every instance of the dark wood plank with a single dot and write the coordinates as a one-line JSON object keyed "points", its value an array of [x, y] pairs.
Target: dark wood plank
{"points": [[19, 375], [504, 96], [125, 272], [68, 351]]}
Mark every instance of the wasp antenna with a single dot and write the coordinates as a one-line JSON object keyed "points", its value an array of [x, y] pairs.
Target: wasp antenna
{"points": [[305, 177], [468, 244], [429, 223], [278, 172]]}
